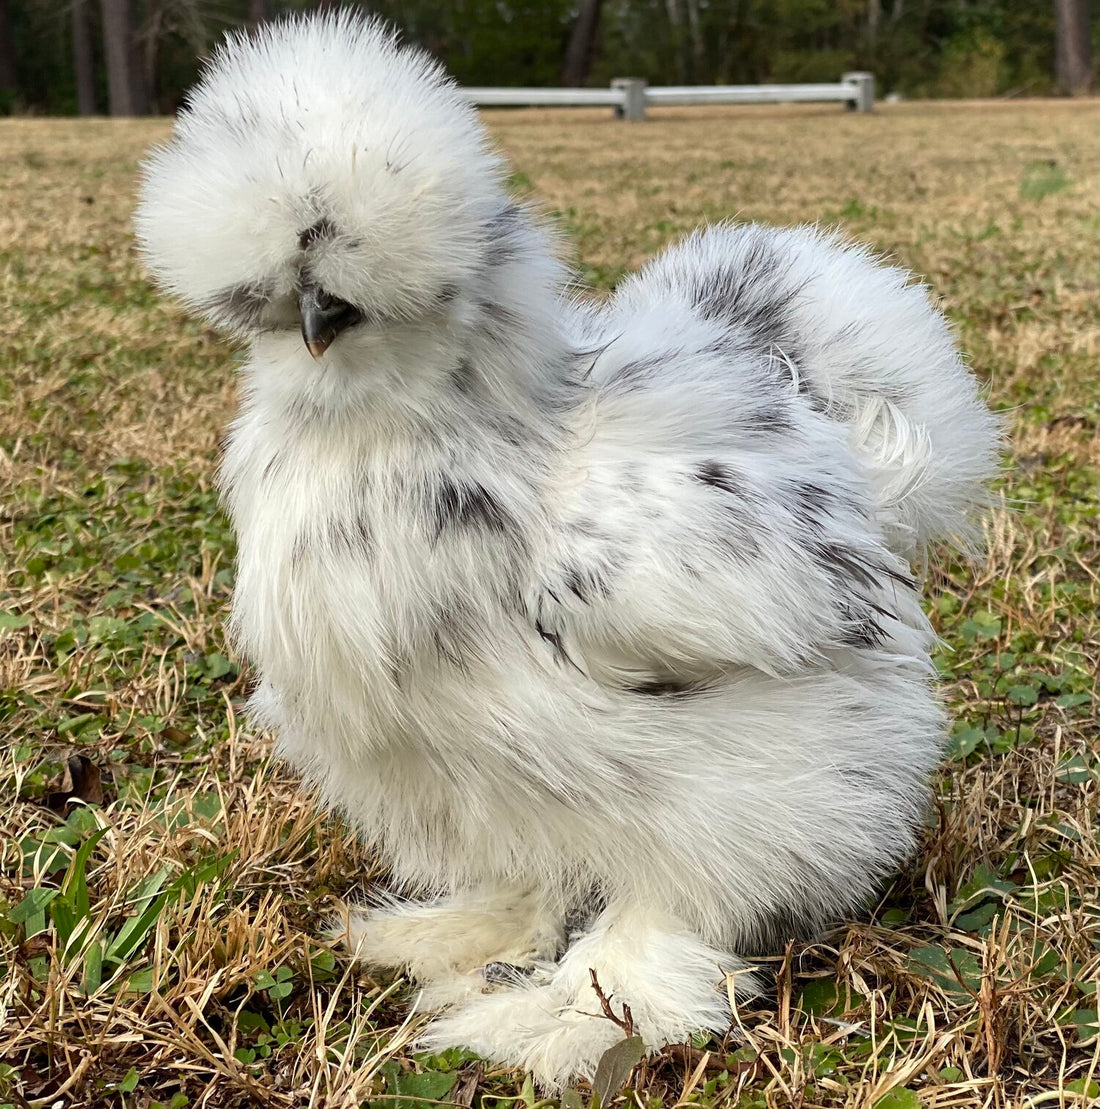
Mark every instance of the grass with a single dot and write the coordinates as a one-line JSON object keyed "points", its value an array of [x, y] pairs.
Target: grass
{"points": [[160, 944]]}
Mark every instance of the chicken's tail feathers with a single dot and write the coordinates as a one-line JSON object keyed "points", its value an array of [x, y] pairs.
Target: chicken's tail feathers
{"points": [[883, 359], [925, 492], [860, 342]]}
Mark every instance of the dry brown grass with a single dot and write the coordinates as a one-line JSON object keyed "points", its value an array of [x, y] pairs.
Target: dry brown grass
{"points": [[115, 577]]}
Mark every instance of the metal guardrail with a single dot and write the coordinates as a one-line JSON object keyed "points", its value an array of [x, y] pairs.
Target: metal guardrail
{"points": [[629, 96], [747, 94], [542, 98]]}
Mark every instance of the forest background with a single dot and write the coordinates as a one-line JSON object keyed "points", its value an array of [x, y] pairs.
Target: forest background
{"points": [[137, 57]]}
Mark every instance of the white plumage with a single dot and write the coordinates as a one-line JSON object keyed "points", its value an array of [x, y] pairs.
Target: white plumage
{"points": [[595, 618]]}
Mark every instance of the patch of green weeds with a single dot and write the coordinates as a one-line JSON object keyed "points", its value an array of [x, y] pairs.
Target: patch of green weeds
{"points": [[1043, 179]]}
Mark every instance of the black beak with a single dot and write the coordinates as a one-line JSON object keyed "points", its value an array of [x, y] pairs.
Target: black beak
{"points": [[324, 317]]}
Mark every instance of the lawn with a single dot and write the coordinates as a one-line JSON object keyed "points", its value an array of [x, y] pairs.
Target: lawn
{"points": [[161, 939]]}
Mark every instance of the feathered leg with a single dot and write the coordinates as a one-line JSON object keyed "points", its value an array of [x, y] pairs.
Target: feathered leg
{"points": [[554, 1024], [447, 945]]}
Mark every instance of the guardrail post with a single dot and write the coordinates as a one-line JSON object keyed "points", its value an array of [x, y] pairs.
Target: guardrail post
{"points": [[865, 90], [633, 106]]}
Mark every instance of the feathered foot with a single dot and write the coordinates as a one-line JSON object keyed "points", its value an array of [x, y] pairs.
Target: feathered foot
{"points": [[653, 976], [458, 945]]}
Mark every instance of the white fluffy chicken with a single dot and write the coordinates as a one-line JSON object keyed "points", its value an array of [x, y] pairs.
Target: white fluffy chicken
{"points": [[596, 619]]}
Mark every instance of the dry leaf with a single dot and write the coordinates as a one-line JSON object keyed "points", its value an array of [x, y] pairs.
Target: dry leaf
{"points": [[82, 781]]}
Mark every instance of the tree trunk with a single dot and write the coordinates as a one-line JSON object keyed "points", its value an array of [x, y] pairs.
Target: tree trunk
{"points": [[578, 54], [676, 36], [128, 83], [82, 58], [874, 20], [9, 79], [1072, 69], [117, 48], [698, 50], [142, 65]]}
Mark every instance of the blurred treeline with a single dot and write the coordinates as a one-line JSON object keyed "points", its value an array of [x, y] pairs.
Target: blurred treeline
{"points": [[135, 57]]}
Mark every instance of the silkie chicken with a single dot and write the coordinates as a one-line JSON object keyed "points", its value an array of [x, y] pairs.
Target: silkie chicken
{"points": [[596, 619]]}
